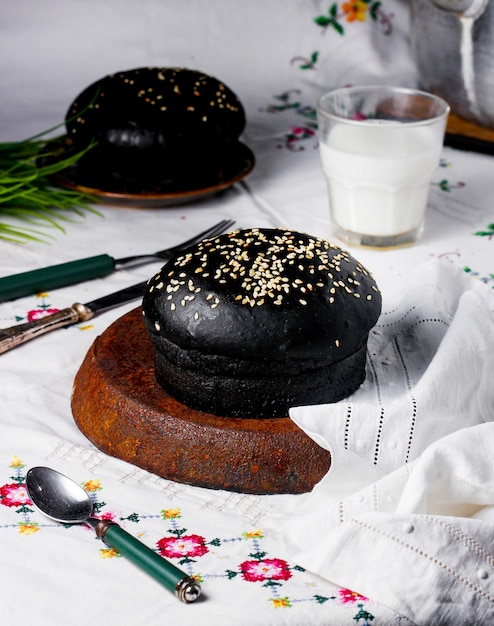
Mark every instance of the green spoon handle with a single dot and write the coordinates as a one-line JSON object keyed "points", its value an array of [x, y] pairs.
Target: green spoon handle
{"points": [[174, 579], [55, 276]]}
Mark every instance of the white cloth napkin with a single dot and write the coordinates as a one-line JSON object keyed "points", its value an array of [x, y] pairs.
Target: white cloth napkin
{"points": [[405, 513]]}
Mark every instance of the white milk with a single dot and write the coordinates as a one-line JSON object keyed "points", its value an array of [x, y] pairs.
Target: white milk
{"points": [[379, 176]]}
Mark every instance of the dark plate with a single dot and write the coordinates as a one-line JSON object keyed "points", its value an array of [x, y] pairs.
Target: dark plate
{"points": [[237, 164]]}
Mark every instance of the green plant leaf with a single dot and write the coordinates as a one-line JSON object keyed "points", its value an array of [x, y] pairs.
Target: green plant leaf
{"points": [[27, 193]]}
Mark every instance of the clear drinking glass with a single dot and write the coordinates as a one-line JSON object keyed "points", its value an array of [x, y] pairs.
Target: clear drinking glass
{"points": [[380, 147]]}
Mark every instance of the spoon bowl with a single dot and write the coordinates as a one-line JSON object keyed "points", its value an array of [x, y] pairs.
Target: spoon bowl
{"points": [[58, 497]]}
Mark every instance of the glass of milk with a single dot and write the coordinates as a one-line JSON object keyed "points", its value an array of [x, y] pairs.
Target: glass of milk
{"points": [[379, 147]]}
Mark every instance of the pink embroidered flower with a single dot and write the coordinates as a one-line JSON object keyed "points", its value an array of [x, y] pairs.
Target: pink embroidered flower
{"points": [[14, 495], [108, 515], [188, 545], [35, 314], [265, 569], [349, 597], [302, 132]]}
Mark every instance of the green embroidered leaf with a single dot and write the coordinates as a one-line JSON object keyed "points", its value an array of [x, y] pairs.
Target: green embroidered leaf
{"points": [[272, 583], [24, 509], [314, 56], [98, 506], [333, 10], [215, 542], [323, 21], [338, 28], [321, 599], [374, 10], [258, 555], [484, 233]]}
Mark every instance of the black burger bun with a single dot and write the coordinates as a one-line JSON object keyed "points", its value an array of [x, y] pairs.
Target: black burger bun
{"points": [[155, 127], [256, 321]]}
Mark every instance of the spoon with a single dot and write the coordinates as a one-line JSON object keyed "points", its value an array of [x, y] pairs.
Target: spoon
{"points": [[63, 500]]}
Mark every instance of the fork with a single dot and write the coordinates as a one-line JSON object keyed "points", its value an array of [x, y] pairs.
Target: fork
{"points": [[64, 274]]}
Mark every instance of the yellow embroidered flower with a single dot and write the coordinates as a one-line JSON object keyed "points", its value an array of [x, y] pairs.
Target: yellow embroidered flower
{"points": [[16, 462], [281, 603], [86, 327], [26, 528], [170, 513], [109, 553], [92, 485], [355, 10], [253, 534], [41, 294]]}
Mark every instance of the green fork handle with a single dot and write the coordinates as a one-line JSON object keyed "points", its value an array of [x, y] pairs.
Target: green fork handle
{"points": [[186, 588], [55, 276]]}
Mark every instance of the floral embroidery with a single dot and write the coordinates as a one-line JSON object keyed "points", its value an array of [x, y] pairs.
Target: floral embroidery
{"points": [[109, 553], [16, 462], [288, 101], [253, 534], [265, 570], [27, 528], [352, 12], [281, 603], [307, 63], [484, 279], [14, 495], [182, 547], [355, 11], [257, 567], [36, 314], [41, 309], [347, 596], [445, 185], [92, 485]]}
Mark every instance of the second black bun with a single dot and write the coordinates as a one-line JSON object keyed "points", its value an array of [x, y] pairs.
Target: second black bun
{"points": [[154, 125], [253, 322]]}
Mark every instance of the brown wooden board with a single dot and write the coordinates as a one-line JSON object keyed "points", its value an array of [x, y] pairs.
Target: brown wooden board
{"points": [[122, 410]]}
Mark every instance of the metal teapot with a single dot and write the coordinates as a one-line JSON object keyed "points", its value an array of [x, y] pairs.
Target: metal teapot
{"points": [[453, 45]]}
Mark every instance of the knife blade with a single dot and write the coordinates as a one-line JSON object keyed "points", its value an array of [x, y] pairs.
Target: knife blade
{"points": [[21, 333]]}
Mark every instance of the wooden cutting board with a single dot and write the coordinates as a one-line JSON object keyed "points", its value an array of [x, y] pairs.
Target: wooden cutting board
{"points": [[122, 410]]}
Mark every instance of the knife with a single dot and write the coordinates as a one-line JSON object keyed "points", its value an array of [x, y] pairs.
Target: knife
{"points": [[21, 333]]}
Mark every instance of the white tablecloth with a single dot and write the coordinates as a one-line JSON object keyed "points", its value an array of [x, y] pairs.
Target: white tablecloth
{"points": [[278, 59]]}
